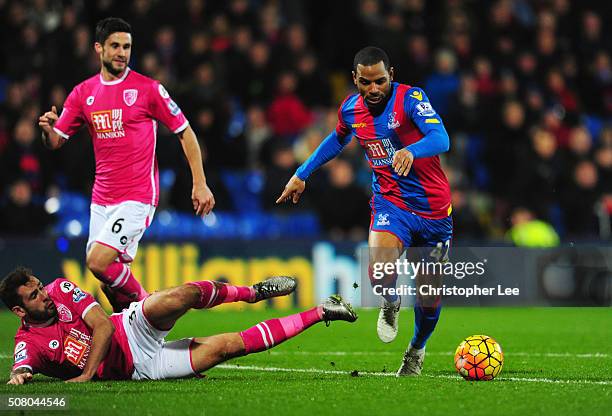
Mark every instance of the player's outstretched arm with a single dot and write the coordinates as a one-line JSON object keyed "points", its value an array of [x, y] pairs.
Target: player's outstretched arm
{"points": [[293, 190], [102, 331], [20, 376], [201, 196], [50, 138], [329, 148]]}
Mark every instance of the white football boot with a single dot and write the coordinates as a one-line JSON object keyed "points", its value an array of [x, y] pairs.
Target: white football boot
{"points": [[388, 319], [412, 364]]}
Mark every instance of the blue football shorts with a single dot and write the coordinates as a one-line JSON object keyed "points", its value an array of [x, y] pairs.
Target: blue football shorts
{"points": [[410, 228]]}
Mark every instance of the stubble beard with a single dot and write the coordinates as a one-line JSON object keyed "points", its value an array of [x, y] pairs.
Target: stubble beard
{"points": [[111, 69]]}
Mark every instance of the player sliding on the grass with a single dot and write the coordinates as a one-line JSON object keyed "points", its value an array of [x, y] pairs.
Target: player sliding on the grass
{"points": [[402, 136], [65, 333]]}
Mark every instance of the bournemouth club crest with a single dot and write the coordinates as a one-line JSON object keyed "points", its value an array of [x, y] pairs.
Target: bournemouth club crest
{"points": [[129, 97]]}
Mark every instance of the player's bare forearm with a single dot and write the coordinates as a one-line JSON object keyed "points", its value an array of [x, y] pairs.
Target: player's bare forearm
{"points": [[100, 343], [201, 196], [102, 332], [52, 141], [20, 376], [193, 153]]}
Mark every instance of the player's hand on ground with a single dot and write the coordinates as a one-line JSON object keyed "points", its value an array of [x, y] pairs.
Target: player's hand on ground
{"points": [[47, 120], [79, 379], [402, 162], [19, 379], [293, 190], [203, 199]]}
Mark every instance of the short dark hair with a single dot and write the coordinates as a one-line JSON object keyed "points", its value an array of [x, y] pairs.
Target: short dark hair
{"points": [[110, 25], [11, 282], [371, 55]]}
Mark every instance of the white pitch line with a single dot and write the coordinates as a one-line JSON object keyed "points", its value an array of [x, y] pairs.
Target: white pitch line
{"points": [[442, 353], [380, 374]]}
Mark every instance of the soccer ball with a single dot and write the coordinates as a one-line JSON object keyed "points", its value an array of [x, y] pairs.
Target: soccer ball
{"points": [[479, 357]]}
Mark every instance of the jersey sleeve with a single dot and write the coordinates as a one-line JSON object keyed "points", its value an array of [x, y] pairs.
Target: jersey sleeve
{"points": [[423, 115], [71, 119], [164, 109], [78, 301], [27, 354], [342, 129]]}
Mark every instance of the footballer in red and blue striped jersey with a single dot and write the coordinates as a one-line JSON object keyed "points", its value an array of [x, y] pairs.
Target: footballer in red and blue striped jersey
{"points": [[402, 136], [404, 122]]}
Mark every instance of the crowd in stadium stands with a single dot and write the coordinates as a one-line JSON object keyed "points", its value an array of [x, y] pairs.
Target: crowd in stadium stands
{"points": [[524, 88]]}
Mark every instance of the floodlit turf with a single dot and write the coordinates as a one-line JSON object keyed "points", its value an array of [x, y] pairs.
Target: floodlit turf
{"points": [[558, 361]]}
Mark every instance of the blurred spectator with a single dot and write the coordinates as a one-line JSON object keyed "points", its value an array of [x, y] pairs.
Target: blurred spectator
{"points": [[282, 167], [506, 142], [579, 148], [343, 207], [415, 64], [537, 182], [166, 49], [287, 114], [258, 133], [238, 61], [527, 231], [198, 51], [579, 202], [559, 91], [443, 83], [592, 38], [259, 77], [313, 86], [240, 13], [25, 158], [486, 85], [527, 69], [554, 121], [296, 45], [19, 216], [597, 85], [603, 158], [467, 109], [141, 13], [206, 89]]}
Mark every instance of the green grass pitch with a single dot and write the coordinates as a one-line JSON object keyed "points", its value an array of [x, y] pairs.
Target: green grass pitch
{"points": [[558, 361]]}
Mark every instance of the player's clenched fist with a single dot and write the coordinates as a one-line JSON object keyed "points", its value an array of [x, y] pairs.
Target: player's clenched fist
{"points": [[293, 190], [47, 120], [402, 162]]}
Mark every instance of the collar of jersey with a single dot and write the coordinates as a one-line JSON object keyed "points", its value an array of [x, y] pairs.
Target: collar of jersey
{"points": [[117, 81]]}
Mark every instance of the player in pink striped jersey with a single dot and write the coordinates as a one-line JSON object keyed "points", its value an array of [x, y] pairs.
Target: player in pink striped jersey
{"points": [[121, 109], [65, 333]]}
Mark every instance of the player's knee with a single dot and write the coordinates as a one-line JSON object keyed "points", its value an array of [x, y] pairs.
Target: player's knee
{"points": [[96, 265]]}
